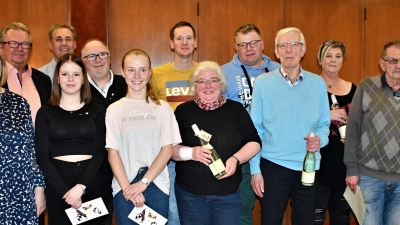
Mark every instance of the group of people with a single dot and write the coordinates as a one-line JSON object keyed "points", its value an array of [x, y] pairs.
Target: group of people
{"points": [[76, 131]]}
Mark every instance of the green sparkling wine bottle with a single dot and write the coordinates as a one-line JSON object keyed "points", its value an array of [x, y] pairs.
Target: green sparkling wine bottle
{"points": [[308, 173], [216, 166]]}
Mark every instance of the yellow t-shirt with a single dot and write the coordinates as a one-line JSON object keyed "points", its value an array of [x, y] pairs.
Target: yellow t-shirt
{"points": [[172, 85]]}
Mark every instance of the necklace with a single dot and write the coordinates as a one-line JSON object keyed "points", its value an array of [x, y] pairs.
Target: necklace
{"points": [[331, 85]]}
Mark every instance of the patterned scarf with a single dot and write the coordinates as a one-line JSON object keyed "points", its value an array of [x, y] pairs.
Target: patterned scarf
{"points": [[210, 106]]}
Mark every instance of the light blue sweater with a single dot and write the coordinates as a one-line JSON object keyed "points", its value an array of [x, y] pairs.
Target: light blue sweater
{"points": [[284, 115]]}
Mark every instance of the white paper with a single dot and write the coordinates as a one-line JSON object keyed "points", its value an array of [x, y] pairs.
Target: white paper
{"points": [[356, 202], [146, 216], [88, 211]]}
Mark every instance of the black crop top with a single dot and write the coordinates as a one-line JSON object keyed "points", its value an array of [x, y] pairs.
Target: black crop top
{"points": [[59, 132]]}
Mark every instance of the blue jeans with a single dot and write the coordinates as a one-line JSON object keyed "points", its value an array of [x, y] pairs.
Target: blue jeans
{"points": [[382, 199], [173, 216], [155, 199], [208, 209]]}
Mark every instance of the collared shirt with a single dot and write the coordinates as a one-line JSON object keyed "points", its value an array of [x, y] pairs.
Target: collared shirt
{"points": [[49, 69], [25, 88], [286, 77], [396, 93], [105, 90]]}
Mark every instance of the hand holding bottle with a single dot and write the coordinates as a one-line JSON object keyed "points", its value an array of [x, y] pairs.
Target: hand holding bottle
{"points": [[202, 155], [231, 166], [312, 143], [338, 115]]}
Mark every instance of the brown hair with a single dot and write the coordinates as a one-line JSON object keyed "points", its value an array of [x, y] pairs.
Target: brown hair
{"points": [[62, 25], [247, 28], [85, 89], [150, 93], [181, 24]]}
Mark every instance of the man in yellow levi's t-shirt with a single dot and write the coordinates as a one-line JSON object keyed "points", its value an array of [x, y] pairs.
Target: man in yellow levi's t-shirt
{"points": [[171, 80], [171, 83]]}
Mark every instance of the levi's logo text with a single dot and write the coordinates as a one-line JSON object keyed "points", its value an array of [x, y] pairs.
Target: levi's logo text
{"points": [[178, 91]]}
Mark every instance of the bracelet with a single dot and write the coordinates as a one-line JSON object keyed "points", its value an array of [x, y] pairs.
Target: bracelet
{"points": [[238, 161], [81, 185]]}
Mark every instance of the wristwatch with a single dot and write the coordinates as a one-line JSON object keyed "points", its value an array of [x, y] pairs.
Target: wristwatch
{"points": [[145, 181]]}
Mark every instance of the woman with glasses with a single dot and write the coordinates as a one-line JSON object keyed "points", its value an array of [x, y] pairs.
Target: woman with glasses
{"points": [[141, 130], [332, 174], [21, 182], [201, 197], [70, 142]]}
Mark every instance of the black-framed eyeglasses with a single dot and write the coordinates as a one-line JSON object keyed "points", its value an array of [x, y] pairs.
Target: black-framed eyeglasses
{"points": [[391, 61], [204, 81], [293, 45], [16, 44], [330, 43], [92, 57], [252, 44]]}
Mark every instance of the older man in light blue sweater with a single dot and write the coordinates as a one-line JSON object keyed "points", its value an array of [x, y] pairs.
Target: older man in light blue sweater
{"points": [[287, 105]]}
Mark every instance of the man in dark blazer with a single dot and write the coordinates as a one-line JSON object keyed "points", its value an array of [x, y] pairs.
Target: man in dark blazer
{"points": [[106, 88], [33, 85]]}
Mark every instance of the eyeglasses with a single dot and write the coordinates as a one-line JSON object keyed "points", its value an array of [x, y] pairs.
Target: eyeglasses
{"points": [[330, 43], [92, 57], [204, 81], [391, 61], [15, 44], [252, 44], [293, 45]]}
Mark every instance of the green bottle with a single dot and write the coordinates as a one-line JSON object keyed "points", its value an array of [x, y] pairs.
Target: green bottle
{"points": [[308, 173], [216, 166]]}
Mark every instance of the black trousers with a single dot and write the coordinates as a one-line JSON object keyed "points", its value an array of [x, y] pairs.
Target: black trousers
{"points": [[280, 184], [70, 173], [331, 198]]}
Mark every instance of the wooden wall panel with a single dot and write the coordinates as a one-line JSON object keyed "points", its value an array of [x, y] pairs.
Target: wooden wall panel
{"points": [[382, 26], [38, 16], [145, 25], [219, 20], [89, 18], [319, 21]]}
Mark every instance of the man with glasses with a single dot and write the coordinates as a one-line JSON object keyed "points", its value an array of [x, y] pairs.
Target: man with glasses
{"points": [[288, 104], [62, 40], [33, 85], [171, 82], [246, 65], [106, 88], [372, 151]]}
